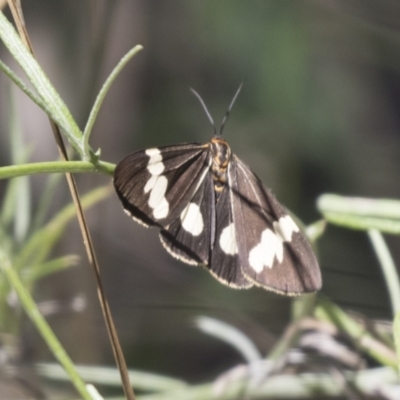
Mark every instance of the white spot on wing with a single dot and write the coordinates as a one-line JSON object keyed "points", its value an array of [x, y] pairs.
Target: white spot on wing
{"points": [[150, 183], [285, 228], [192, 220], [155, 165], [263, 254], [153, 152], [156, 169], [162, 209], [157, 184], [158, 191], [256, 258], [271, 244], [227, 240]]}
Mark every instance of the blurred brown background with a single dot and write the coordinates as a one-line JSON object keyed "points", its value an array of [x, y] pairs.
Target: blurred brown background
{"points": [[318, 113]]}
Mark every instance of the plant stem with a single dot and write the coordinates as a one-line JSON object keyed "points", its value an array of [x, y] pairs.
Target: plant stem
{"points": [[12, 171], [102, 94], [361, 213], [357, 332], [388, 268], [396, 334], [41, 325]]}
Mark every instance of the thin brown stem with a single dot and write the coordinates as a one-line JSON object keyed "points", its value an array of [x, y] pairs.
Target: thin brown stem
{"points": [[16, 9]]}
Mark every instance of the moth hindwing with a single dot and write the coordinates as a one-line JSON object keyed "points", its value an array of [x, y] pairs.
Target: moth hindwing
{"points": [[213, 210]]}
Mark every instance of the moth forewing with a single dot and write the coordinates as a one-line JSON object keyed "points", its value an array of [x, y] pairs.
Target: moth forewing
{"points": [[224, 258], [154, 184], [189, 236], [273, 252]]}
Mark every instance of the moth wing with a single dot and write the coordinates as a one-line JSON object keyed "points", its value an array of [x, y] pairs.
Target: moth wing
{"points": [[224, 259], [190, 235], [154, 185], [273, 252]]}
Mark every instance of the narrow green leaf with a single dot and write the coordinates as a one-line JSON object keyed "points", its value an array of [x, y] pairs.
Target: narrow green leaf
{"points": [[315, 230], [110, 376], [328, 311], [388, 268], [380, 208], [238, 384], [40, 244], [57, 108], [102, 94], [8, 205], [39, 271], [230, 335], [21, 84], [20, 154], [361, 213], [396, 334], [363, 223], [41, 325], [45, 201], [16, 206]]}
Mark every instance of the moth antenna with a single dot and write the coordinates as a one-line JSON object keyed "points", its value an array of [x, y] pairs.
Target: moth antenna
{"points": [[229, 109], [206, 110]]}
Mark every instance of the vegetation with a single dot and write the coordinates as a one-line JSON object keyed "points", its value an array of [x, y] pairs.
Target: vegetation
{"points": [[322, 337]]}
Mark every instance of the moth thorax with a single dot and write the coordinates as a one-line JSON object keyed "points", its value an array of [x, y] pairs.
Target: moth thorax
{"points": [[221, 155]]}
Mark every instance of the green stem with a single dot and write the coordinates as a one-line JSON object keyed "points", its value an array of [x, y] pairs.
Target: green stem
{"points": [[361, 213], [388, 268], [285, 386], [363, 223], [356, 331], [396, 334], [108, 376], [12, 171], [42, 326], [102, 94], [379, 208]]}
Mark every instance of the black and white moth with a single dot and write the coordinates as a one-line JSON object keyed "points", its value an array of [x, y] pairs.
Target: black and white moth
{"points": [[214, 211]]}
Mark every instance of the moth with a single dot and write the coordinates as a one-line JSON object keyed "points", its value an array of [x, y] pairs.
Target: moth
{"points": [[212, 210]]}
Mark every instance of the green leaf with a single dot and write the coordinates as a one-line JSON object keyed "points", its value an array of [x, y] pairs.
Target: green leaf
{"points": [[39, 271], [381, 208], [396, 334], [55, 106], [388, 268], [102, 94], [110, 377], [8, 206], [42, 242], [45, 201], [16, 206], [315, 230], [230, 335], [361, 213], [41, 324], [328, 311]]}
